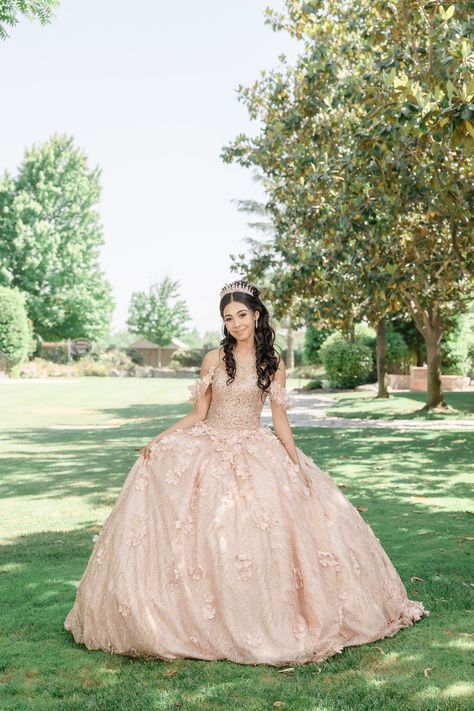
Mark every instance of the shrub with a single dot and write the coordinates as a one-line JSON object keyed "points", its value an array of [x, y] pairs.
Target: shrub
{"points": [[88, 365], [455, 345], [398, 353], [347, 364], [313, 340], [307, 371], [15, 335], [41, 368], [313, 385], [297, 354], [187, 357], [135, 356], [116, 358], [58, 354]]}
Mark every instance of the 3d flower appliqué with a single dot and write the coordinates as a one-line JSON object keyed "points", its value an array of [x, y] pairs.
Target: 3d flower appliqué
{"points": [[208, 610], [328, 559], [137, 534], [197, 389], [173, 476], [298, 578], [243, 563], [124, 609], [279, 395], [254, 640]]}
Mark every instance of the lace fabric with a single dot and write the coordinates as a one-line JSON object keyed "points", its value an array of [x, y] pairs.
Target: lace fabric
{"points": [[216, 548], [239, 404]]}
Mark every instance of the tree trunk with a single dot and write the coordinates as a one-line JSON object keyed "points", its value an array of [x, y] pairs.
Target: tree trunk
{"points": [[434, 396], [428, 321], [290, 353], [159, 356], [381, 353]]}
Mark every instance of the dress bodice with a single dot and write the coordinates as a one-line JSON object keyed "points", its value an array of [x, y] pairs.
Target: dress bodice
{"points": [[237, 405]]}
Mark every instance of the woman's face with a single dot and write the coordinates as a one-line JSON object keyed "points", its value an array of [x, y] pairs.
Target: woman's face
{"points": [[239, 320]]}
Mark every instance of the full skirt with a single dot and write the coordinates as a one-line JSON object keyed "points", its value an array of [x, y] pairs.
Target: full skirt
{"points": [[220, 547]]}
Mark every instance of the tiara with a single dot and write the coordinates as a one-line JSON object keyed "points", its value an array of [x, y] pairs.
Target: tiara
{"points": [[237, 286]]}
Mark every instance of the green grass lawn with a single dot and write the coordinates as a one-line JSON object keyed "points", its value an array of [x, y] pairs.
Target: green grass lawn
{"points": [[66, 448], [403, 405]]}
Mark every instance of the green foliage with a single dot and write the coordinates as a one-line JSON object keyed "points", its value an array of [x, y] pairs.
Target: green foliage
{"points": [[397, 351], [135, 356], [313, 385], [187, 357], [158, 314], [121, 339], [410, 334], [10, 10], [298, 354], [455, 354], [347, 364], [313, 340], [364, 148], [192, 338], [51, 234], [211, 339], [14, 331], [55, 355]]}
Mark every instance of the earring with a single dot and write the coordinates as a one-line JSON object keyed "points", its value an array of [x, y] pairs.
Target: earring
{"points": [[256, 323]]}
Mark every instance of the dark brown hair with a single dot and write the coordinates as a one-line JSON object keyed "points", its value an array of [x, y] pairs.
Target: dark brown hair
{"points": [[267, 359]]}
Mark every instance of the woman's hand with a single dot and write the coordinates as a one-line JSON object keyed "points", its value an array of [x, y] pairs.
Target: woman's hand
{"points": [[146, 451], [305, 477]]}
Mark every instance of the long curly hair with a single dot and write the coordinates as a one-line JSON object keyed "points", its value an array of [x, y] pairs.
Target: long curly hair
{"points": [[267, 358]]}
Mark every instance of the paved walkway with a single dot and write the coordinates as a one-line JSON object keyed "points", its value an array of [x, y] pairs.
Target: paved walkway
{"points": [[310, 410]]}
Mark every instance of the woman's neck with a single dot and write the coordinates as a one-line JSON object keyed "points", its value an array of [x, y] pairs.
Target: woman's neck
{"points": [[244, 351]]}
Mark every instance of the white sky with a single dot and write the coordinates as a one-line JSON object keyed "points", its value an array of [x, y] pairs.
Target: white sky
{"points": [[148, 90]]}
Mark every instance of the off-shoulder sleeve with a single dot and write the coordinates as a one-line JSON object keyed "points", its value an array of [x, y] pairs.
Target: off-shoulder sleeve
{"points": [[198, 388], [279, 395]]}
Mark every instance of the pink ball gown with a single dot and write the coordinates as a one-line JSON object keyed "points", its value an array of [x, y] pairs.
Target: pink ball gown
{"points": [[217, 548]]}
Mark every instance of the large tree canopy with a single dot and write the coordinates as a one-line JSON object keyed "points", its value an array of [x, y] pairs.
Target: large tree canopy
{"points": [[50, 234], [158, 313], [366, 148], [11, 10]]}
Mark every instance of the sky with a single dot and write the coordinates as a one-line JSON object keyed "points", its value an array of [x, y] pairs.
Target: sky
{"points": [[149, 91]]}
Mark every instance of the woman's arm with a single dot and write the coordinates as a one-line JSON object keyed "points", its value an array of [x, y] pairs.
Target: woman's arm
{"points": [[200, 406], [279, 403], [280, 420]]}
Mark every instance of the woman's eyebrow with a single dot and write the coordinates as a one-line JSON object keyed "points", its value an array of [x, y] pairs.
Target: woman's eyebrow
{"points": [[242, 311]]}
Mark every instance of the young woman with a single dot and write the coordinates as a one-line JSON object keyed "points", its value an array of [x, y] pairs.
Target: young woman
{"points": [[226, 540]]}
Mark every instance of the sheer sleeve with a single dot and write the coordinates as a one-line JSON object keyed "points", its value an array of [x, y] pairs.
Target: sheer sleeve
{"points": [[198, 388], [279, 395]]}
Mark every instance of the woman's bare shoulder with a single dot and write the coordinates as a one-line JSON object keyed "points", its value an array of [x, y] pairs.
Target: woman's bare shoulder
{"points": [[213, 358]]}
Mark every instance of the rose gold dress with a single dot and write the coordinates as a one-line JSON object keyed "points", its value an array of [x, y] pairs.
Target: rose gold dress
{"points": [[217, 548]]}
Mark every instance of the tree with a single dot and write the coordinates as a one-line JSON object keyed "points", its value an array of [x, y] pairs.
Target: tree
{"points": [[371, 208], [158, 314], [15, 334], [50, 237], [11, 9]]}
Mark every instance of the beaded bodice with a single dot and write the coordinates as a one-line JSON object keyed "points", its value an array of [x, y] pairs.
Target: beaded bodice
{"points": [[237, 405]]}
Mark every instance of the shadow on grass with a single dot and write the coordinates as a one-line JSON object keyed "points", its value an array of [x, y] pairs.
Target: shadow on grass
{"points": [[55, 461], [402, 477], [42, 665], [406, 406]]}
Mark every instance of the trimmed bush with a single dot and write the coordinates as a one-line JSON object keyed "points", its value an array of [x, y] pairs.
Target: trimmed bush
{"points": [[187, 357], [347, 364], [135, 356], [15, 333], [313, 340]]}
